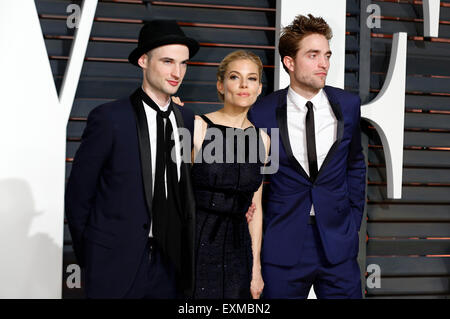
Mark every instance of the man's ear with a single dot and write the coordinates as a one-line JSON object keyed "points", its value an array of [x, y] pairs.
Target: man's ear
{"points": [[143, 60], [289, 63]]}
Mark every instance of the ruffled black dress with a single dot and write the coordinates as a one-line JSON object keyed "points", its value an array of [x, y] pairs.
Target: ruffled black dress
{"points": [[224, 192]]}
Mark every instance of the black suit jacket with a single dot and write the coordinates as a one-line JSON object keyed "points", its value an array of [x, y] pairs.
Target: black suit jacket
{"points": [[109, 196]]}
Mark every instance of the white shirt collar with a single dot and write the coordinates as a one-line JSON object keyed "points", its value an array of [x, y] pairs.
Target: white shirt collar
{"points": [[165, 107], [162, 107], [299, 101]]}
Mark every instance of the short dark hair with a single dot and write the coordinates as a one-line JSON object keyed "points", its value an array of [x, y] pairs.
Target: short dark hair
{"points": [[301, 27]]}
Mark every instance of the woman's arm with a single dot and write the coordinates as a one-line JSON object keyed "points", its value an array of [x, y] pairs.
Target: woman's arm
{"points": [[255, 227], [199, 135]]}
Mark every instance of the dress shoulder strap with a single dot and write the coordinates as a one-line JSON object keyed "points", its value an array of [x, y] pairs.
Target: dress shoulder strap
{"points": [[207, 120]]}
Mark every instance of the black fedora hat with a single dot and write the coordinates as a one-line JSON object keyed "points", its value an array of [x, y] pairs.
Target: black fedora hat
{"points": [[157, 33]]}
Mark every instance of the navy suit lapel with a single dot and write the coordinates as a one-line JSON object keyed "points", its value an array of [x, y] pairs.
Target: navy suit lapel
{"points": [[187, 197], [337, 110], [186, 205], [178, 115], [144, 147], [281, 113], [184, 167]]}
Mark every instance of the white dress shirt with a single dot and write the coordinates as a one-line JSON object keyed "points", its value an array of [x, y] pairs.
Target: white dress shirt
{"points": [[152, 129], [325, 127]]}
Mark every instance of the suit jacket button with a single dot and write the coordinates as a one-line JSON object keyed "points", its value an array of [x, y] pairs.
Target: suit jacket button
{"points": [[145, 226]]}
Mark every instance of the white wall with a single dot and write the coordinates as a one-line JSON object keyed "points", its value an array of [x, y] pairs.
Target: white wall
{"points": [[32, 143]]}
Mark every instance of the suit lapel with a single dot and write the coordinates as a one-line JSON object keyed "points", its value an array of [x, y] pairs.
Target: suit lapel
{"points": [[187, 195], [336, 107], [185, 178], [186, 204], [281, 114], [144, 147], [183, 172]]}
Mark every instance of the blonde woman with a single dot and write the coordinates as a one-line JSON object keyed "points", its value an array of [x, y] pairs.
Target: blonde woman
{"points": [[229, 152]]}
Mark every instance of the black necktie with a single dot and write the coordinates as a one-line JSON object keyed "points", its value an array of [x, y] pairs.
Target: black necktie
{"points": [[166, 218], [311, 142], [163, 161]]}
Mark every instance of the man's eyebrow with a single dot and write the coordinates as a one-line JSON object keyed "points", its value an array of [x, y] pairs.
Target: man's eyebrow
{"points": [[171, 59], [318, 51]]}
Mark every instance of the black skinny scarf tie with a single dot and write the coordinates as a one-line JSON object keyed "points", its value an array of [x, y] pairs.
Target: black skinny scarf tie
{"points": [[166, 219]]}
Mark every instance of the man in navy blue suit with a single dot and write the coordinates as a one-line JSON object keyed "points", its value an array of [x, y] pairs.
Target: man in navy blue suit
{"points": [[315, 201], [129, 206]]}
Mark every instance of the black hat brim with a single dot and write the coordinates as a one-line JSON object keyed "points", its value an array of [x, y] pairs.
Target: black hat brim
{"points": [[166, 40]]}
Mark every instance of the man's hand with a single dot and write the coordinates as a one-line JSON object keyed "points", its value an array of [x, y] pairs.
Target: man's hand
{"points": [[176, 99], [250, 212]]}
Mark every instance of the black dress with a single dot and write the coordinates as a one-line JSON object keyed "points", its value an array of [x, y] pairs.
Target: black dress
{"points": [[224, 192]]}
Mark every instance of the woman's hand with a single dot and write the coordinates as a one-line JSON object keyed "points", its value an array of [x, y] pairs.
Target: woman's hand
{"points": [[176, 99], [256, 285], [249, 214]]}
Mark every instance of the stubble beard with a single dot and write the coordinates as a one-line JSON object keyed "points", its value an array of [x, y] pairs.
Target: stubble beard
{"points": [[311, 83]]}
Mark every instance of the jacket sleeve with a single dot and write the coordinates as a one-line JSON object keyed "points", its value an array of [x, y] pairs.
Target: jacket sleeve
{"points": [[96, 145], [356, 172]]}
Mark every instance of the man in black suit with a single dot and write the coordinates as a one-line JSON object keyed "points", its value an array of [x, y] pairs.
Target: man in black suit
{"points": [[129, 206]]}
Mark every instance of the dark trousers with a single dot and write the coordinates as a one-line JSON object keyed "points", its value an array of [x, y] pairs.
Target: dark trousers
{"points": [[329, 281], [155, 278]]}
